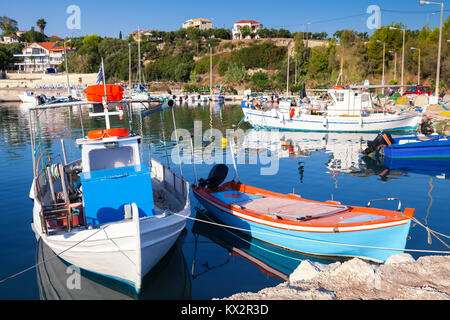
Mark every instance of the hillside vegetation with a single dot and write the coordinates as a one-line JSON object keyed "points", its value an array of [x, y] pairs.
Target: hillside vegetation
{"points": [[184, 56]]}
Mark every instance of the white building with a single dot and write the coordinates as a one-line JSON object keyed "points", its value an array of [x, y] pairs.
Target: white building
{"points": [[199, 23], [39, 56], [10, 38], [252, 24]]}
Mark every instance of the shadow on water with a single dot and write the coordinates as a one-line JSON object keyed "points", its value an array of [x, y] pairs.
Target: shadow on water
{"points": [[270, 259], [57, 280]]}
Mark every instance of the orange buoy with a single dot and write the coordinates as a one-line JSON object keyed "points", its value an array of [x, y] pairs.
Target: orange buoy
{"points": [[292, 113], [95, 93], [107, 133]]}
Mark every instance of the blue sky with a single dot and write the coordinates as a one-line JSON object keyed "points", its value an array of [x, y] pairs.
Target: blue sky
{"points": [[108, 18]]}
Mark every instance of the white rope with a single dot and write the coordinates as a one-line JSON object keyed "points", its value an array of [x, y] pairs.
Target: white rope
{"points": [[311, 240], [56, 255]]}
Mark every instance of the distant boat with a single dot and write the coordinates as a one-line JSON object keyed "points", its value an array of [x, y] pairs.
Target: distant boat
{"points": [[292, 222], [107, 212], [345, 109], [28, 97], [410, 147]]}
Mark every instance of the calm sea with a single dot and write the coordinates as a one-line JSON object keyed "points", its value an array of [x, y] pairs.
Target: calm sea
{"points": [[207, 262]]}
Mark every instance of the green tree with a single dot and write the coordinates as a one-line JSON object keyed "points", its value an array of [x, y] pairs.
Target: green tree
{"points": [[41, 24], [8, 25], [235, 74], [246, 31], [33, 36], [260, 81]]}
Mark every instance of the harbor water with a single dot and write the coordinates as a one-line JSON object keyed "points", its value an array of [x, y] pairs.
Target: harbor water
{"points": [[208, 261]]}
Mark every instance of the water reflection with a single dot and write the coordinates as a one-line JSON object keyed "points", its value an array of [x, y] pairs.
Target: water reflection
{"points": [[385, 167], [271, 260], [168, 280], [343, 148]]}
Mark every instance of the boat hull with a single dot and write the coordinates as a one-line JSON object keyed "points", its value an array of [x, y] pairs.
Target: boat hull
{"points": [[374, 123], [437, 148], [112, 250], [375, 244]]}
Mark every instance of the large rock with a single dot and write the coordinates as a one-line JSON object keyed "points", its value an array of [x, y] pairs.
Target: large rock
{"points": [[401, 277]]}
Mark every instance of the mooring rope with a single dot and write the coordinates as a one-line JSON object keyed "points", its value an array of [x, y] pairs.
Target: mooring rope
{"points": [[56, 255], [318, 241], [432, 232]]}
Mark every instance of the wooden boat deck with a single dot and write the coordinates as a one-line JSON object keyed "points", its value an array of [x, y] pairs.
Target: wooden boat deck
{"points": [[289, 208], [278, 206]]}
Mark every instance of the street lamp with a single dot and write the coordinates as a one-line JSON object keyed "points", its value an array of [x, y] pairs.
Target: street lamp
{"points": [[67, 69], [418, 65], [307, 38], [438, 69], [403, 53], [384, 52]]}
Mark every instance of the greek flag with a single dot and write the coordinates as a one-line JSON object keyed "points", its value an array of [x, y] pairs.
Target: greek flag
{"points": [[100, 75]]}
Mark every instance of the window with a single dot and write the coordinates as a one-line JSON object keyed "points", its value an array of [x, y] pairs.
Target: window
{"points": [[101, 159], [339, 96]]}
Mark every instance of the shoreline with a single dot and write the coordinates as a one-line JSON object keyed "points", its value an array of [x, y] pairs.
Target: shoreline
{"points": [[401, 277]]}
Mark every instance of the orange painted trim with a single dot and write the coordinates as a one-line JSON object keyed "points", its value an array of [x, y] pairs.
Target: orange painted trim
{"points": [[391, 216], [107, 133]]}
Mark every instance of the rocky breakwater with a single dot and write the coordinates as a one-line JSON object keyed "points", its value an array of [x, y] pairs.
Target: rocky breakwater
{"points": [[400, 277]]}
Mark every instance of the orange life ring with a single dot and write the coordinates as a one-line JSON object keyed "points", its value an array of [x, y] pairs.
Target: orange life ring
{"points": [[292, 113], [338, 87], [106, 133]]}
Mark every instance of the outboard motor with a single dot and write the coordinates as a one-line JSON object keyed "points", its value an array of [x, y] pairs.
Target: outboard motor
{"points": [[42, 99], [426, 127], [383, 139], [170, 103], [216, 176]]}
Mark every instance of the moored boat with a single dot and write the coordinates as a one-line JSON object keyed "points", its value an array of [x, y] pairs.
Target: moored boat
{"points": [[411, 147], [107, 212], [292, 222], [345, 110]]}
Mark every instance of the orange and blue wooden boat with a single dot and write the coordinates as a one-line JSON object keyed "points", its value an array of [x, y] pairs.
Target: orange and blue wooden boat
{"points": [[313, 227]]}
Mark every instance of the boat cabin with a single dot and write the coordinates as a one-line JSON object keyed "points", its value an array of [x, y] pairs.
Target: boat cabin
{"points": [[112, 174], [348, 102]]}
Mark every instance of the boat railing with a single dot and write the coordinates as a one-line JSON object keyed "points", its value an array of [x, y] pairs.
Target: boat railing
{"points": [[387, 199], [171, 181]]}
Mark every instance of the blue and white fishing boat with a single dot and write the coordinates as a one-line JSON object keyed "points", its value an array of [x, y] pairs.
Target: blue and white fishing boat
{"points": [[411, 147], [292, 222], [346, 109], [107, 212]]}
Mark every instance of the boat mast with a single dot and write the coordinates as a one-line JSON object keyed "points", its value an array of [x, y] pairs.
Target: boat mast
{"points": [[210, 71], [129, 69], [139, 54], [287, 76]]}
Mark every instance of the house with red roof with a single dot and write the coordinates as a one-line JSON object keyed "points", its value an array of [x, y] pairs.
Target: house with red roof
{"points": [[252, 24], [10, 38], [40, 56]]}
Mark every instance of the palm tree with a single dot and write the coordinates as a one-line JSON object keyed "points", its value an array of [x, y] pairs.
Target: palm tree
{"points": [[41, 23]]}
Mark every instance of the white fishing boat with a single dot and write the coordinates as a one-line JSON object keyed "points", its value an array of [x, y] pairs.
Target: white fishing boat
{"points": [[28, 97], [344, 109], [107, 212]]}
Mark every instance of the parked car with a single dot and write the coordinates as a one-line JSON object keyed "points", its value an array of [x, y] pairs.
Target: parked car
{"points": [[418, 90]]}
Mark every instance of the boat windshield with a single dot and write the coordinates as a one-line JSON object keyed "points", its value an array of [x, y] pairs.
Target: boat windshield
{"points": [[108, 158]]}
